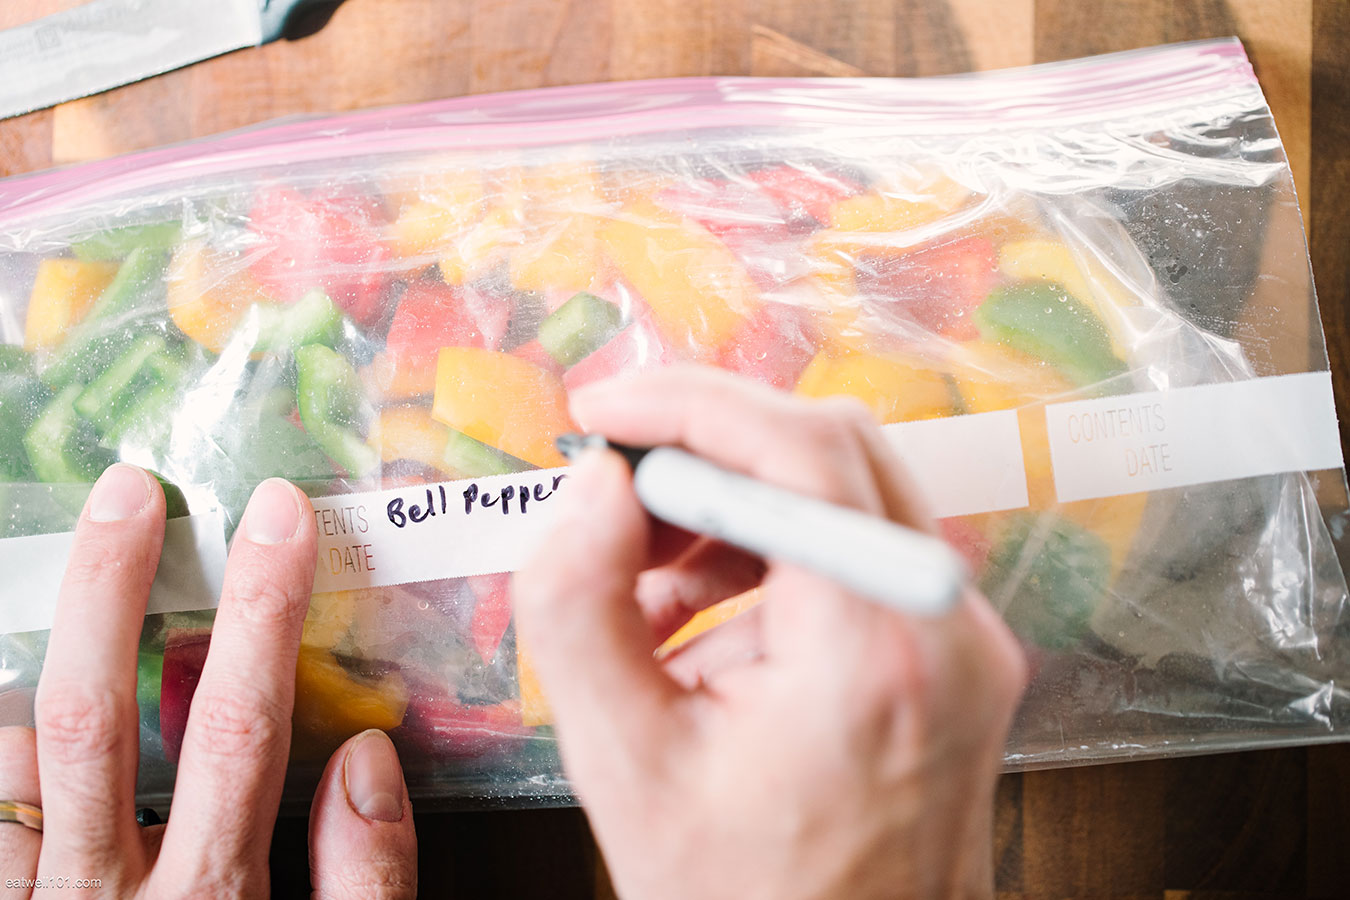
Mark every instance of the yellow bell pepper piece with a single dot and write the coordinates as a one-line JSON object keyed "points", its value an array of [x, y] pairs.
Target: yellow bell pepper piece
{"points": [[696, 287], [480, 247], [438, 213], [893, 388], [990, 377], [332, 704], [63, 291], [566, 259], [899, 207], [1046, 260], [329, 619], [534, 709], [208, 295], [502, 400], [409, 432]]}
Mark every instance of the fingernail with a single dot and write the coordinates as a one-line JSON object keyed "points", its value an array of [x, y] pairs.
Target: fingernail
{"points": [[373, 778], [273, 513], [120, 492]]}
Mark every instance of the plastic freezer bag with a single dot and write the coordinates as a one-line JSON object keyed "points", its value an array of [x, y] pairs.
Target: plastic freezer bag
{"points": [[1076, 296]]}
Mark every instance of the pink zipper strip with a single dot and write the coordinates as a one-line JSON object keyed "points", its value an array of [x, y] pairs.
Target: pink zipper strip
{"points": [[1096, 89]]}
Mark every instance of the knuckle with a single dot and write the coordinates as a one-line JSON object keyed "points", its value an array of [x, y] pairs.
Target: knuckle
{"points": [[236, 723], [78, 724], [98, 560], [390, 877], [848, 413], [263, 599], [833, 427]]}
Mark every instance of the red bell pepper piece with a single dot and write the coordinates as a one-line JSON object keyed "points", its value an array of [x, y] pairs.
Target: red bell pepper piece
{"points": [[329, 239], [184, 659], [801, 192], [491, 612], [432, 315], [967, 540], [774, 346], [640, 346], [442, 728], [937, 286]]}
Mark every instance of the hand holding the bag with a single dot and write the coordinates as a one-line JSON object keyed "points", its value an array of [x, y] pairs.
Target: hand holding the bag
{"points": [[817, 746], [79, 766]]}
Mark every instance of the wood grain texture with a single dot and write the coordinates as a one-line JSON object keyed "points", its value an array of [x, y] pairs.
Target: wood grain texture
{"points": [[1270, 824]]}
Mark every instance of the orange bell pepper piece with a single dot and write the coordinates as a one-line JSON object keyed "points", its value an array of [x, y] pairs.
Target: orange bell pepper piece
{"points": [[332, 704], [696, 287], [893, 388], [503, 401]]}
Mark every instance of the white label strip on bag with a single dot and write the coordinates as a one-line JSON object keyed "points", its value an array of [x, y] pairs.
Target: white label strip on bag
{"points": [[191, 571], [965, 464], [480, 526], [432, 531], [1193, 435]]}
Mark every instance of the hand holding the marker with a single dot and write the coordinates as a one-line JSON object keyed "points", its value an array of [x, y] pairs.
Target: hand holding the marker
{"points": [[75, 775], [818, 745]]}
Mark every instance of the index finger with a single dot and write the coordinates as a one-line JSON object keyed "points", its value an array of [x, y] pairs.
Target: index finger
{"points": [[85, 710], [237, 740]]}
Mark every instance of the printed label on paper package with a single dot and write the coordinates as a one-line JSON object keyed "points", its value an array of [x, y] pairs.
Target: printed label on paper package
{"points": [[1194, 435]]}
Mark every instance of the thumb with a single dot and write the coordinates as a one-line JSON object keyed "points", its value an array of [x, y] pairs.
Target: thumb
{"points": [[586, 634], [361, 840]]}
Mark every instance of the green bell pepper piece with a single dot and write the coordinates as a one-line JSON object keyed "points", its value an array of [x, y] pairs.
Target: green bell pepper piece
{"points": [[313, 319], [1062, 572], [118, 243], [21, 398], [107, 397], [15, 360], [474, 459], [100, 337], [329, 396], [1042, 319], [60, 449], [580, 326]]}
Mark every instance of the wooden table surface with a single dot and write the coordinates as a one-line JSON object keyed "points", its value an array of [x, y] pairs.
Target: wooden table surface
{"points": [[1265, 824]]}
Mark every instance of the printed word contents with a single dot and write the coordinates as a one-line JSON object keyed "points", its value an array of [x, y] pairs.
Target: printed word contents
{"points": [[1192, 435], [1135, 428]]}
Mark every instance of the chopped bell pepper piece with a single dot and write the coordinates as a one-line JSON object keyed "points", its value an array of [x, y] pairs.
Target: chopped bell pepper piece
{"points": [[698, 290], [59, 448], [580, 326], [117, 243], [1045, 321], [63, 292], [503, 401], [90, 346], [893, 388], [332, 704], [328, 394]]}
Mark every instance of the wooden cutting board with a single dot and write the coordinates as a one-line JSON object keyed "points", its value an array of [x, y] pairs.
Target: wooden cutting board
{"points": [[1267, 824]]}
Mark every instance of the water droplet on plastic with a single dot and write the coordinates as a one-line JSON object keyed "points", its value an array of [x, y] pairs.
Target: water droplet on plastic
{"points": [[423, 605]]}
